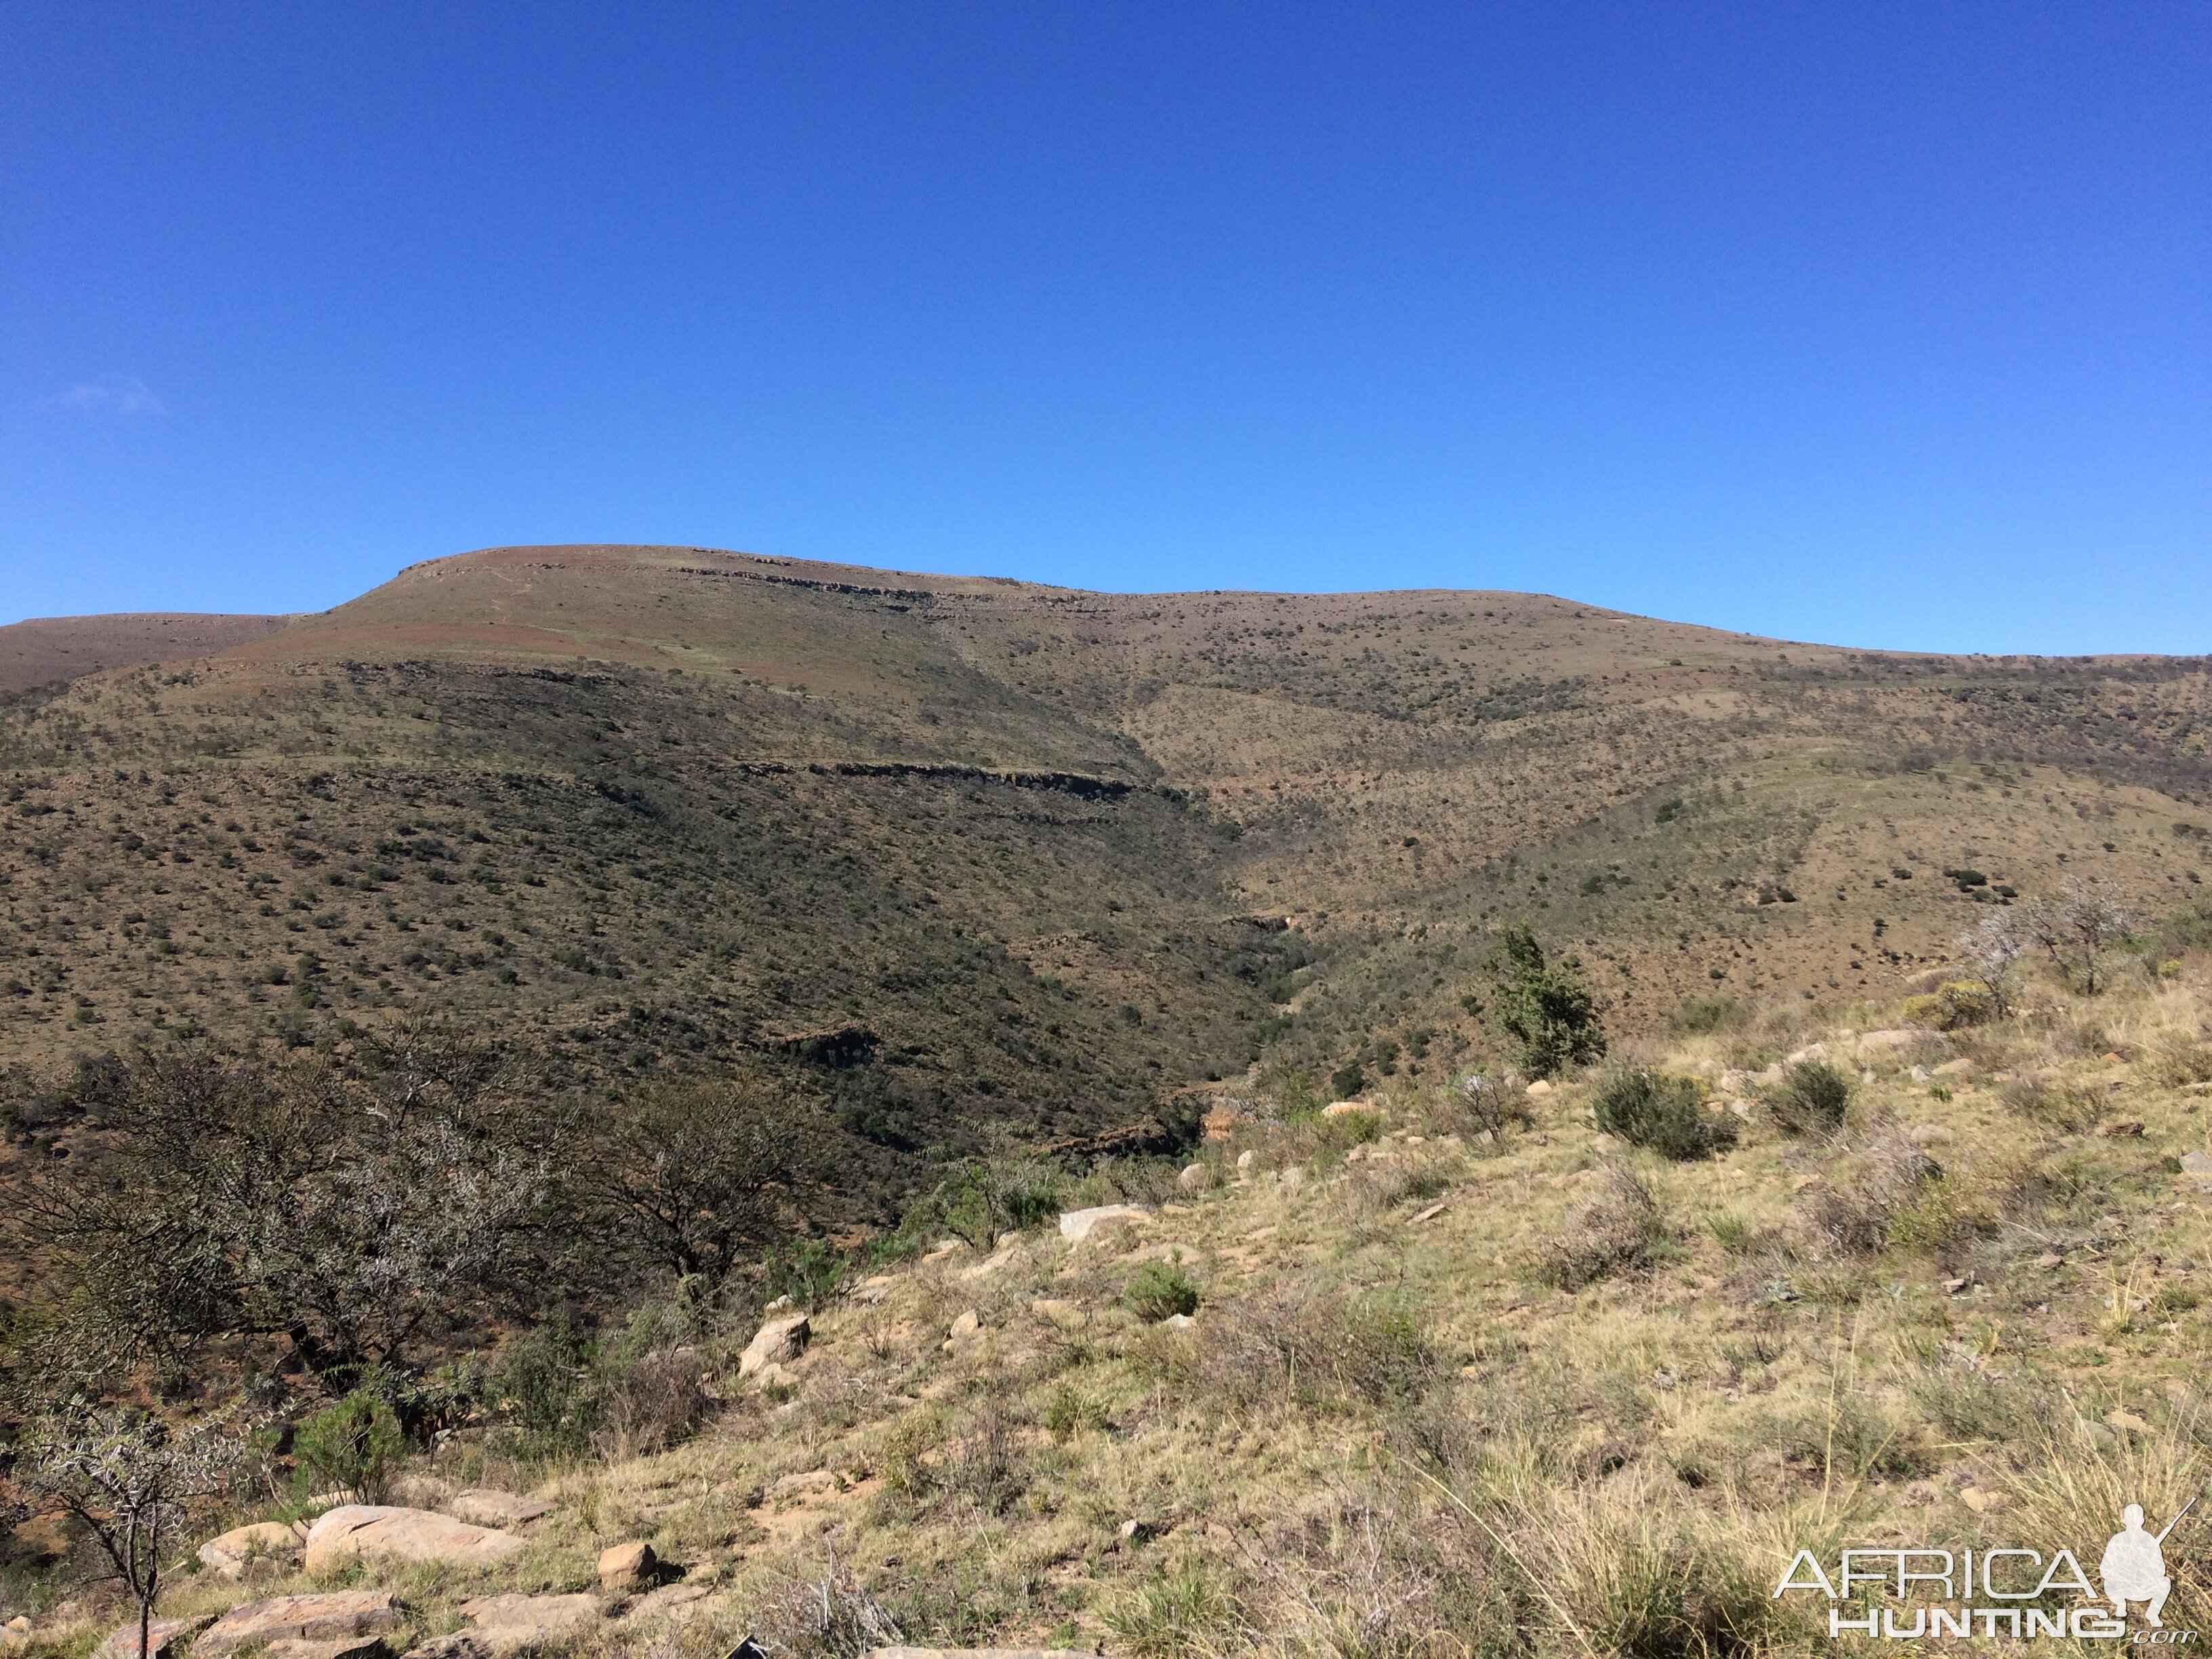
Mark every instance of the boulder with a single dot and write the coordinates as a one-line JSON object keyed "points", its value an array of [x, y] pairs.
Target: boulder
{"points": [[512, 1624], [1195, 1177], [1344, 1108], [481, 1506], [165, 1638], [339, 1615], [368, 1529], [231, 1554], [623, 1567], [776, 1343], [967, 1326], [1077, 1225], [2197, 1165], [1247, 1158], [1539, 1089]]}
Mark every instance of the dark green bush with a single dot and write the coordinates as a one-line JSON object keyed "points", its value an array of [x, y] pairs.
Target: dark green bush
{"points": [[1810, 1098], [1160, 1289], [810, 1272], [1545, 1008], [353, 1447], [1647, 1108]]}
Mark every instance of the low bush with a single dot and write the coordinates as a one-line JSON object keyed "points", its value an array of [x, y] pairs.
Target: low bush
{"points": [[1880, 1181], [1810, 1099], [1618, 1229], [810, 1272], [2053, 1105], [1951, 1006], [1314, 1347], [1647, 1108], [1160, 1289]]}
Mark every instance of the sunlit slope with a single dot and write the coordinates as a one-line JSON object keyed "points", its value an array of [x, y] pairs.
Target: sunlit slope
{"points": [[735, 782]]}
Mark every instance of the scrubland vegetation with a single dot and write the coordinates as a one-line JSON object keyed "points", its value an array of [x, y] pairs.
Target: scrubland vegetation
{"points": [[1608, 1105], [1470, 1369]]}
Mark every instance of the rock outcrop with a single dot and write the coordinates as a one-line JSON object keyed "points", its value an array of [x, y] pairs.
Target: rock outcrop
{"points": [[371, 1529], [337, 1616]]}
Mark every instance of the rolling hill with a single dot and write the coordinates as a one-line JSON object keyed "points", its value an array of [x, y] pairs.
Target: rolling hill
{"points": [[982, 857]]}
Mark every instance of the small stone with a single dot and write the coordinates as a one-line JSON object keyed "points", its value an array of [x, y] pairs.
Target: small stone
{"points": [[966, 1325], [1980, 1501], [1539, 1089], [1181, 1322], [1429, 1214], [1664, 1381], [1195, 1177], [2197, 1163], [778, 1342], [1135, 1531], [1952, 1286], [1345, 1108], [1247, 1158], [2122, 1129], [2051, 1259], [2121, 1417], [1919, 1074], [779, 1304], [625, 1566]]}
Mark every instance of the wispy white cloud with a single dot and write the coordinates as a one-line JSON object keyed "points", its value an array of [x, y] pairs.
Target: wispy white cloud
{"points": [[113, 394]]}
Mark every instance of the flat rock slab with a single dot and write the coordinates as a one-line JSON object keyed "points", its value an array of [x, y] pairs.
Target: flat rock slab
{"points": [[337, 1615], [364, 1529], [343, 1647], [671, 1601], [164, 1637], [481, 1506], [1079, 1225], [231, 1554], [511, 1623]]}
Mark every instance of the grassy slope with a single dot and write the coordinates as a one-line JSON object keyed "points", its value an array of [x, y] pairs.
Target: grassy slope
{"points": [[2027, 1353]]}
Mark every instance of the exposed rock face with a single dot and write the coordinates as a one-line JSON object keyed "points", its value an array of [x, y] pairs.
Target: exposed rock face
{"points": [[337, 1616], [481, 1506], [776, 1343], [230, 1555], [368, 1529], [1077, 1225], [165, 1638], [625, 1566]]}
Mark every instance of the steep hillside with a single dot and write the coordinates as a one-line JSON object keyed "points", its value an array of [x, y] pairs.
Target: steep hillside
{"points": [[664, 802]]}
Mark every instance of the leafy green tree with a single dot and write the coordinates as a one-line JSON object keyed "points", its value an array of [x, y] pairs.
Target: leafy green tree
{"points": [[1544, 1007]]}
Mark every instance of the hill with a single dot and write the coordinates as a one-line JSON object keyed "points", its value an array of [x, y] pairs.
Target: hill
{"points": [[660, 804], [45, 650]]}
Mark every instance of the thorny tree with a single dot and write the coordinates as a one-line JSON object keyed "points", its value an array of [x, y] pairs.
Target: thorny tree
{"points": [[2077, 927], [131, 1481], [343, 1211], [1991, 951]]}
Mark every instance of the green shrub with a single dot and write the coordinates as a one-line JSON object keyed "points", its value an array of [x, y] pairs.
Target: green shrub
{"points": [[810, 1272], [1647, 1108], [1950, 1006], [353, 1447], [1545, 1008], [1160, 1289], [540, 1382], [1810, 1098], [982, 1202]]}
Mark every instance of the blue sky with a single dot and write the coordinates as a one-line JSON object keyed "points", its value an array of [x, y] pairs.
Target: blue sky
{"points": [[1877, 324]]}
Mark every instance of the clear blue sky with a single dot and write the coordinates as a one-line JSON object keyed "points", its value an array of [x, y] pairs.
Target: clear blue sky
{"points": [[1878, 324]]}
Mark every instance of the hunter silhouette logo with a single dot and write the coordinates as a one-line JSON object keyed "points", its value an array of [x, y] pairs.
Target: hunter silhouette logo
{"points": [[2134, 1567], [1987, 1593]]}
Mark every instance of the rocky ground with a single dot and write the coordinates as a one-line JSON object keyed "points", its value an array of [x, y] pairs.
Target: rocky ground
{"points": [[1425, 1373]]}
